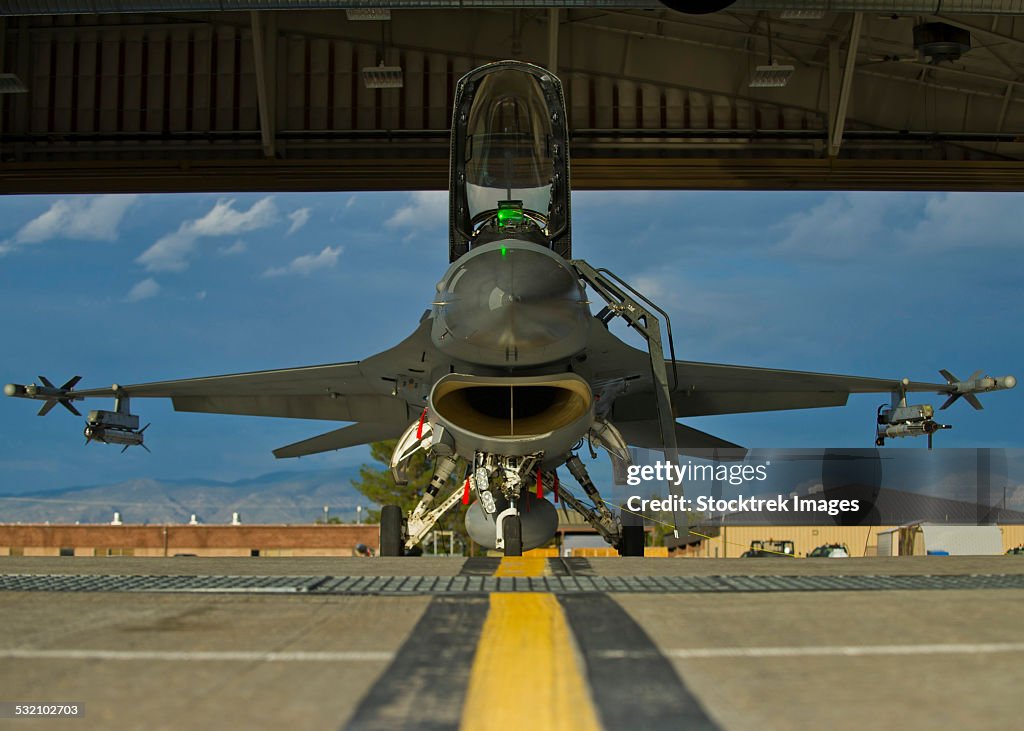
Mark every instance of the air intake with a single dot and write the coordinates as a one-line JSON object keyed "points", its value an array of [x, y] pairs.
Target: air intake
{"points": [[513, 415]]}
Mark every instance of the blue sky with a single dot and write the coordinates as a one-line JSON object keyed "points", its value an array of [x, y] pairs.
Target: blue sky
{"points": [[138, 288]]}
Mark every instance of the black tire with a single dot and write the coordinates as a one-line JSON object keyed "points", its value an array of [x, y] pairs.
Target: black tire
{"points": [[391, 543], [632, 541], [512, 530]]}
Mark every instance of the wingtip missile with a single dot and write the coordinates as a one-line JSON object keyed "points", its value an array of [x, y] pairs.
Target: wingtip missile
{"points": [[46, 392], [974, 385]]}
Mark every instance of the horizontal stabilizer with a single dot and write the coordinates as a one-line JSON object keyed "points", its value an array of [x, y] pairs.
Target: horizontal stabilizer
{"points": [[349, 436], [647, 434]]}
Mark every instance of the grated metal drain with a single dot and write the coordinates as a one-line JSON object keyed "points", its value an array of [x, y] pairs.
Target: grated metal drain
{"points": [[436, 585]]}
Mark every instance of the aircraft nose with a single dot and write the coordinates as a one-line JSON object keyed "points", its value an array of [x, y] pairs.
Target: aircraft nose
{"points": [[512, 304]]}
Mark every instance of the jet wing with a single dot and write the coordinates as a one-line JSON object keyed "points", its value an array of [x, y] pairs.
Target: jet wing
{"points": [[337, 392], [647, 435], [704, 389], [356, 391]]}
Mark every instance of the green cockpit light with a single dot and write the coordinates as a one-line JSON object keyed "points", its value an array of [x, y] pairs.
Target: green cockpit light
{"points": [[510, 213]]}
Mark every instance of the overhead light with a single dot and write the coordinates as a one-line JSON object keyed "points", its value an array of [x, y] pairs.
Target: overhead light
{"points": [[11, 84], [802, 14], [370, 14], [383, 77], [941, 41], [773, 76]]}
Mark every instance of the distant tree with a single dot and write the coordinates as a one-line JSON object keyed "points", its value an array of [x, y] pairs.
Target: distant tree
{"points": [[333, 520], [379, 486]]}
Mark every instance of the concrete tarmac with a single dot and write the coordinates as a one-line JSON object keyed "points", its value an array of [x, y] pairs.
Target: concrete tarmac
{"points": [[769, 660]]}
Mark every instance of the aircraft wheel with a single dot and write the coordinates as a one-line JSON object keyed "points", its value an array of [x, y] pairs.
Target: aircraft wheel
{"points": [[512, 530], [391, 543], [632, 541]]}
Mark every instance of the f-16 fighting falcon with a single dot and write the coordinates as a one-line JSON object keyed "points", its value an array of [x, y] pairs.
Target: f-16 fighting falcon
{"points": [[510, 372]]}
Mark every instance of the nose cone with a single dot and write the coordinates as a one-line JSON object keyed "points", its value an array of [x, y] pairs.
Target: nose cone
{"points": [[510, 303]]}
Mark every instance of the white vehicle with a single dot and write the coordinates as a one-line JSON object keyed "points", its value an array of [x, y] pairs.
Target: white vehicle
{"points": [[830, 550]]}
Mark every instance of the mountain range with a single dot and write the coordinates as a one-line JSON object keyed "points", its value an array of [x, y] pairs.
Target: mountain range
{"points": [[277, 497]]}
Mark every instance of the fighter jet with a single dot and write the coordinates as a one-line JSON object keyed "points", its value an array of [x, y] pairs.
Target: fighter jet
{"points": [[510, 372]]}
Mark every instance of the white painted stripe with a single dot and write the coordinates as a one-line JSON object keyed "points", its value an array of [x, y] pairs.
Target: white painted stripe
{"points": [[229, 656], [843, 650]]}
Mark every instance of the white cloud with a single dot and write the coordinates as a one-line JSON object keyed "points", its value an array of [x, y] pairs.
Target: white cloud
{"points": [[968, 220], [847, 225], [201, 295], [224, 220], [143, 290], [843, 225], [171, 252], [91, 218], [236, 248], [308, 263], [425, 209], [299, 218]]}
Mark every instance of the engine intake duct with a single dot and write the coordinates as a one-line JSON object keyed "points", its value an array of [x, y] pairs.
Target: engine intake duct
{"points": [[513, 415]]}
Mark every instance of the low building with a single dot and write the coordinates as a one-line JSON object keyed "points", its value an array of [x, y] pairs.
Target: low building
{"points": [[729, 541], [195, 540], [921, 539]]}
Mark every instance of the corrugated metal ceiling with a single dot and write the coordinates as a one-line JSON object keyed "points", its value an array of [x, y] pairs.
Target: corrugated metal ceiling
{"points": [[640, 85]]}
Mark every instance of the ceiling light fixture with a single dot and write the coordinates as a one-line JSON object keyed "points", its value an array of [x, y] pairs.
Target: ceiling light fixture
{"points": [[383, 77], [11, 84], [369, 14]]}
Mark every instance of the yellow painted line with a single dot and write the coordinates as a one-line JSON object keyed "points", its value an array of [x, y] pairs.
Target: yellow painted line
{"points": [[522, 566], [526, 667]]}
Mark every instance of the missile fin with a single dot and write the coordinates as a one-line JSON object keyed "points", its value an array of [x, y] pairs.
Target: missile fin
{"points": [[47, 406], [973, 401]]}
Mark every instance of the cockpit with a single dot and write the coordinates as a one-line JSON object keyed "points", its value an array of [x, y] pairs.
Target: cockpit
{"points": [[509, 180], [508, 160]]}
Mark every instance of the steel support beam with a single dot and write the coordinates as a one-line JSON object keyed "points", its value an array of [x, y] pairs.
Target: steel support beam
{"points": [[833, 89], [3, 51], [264, 45], [1002, 113], [589, 173], [553, 41], [839, 115]]}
